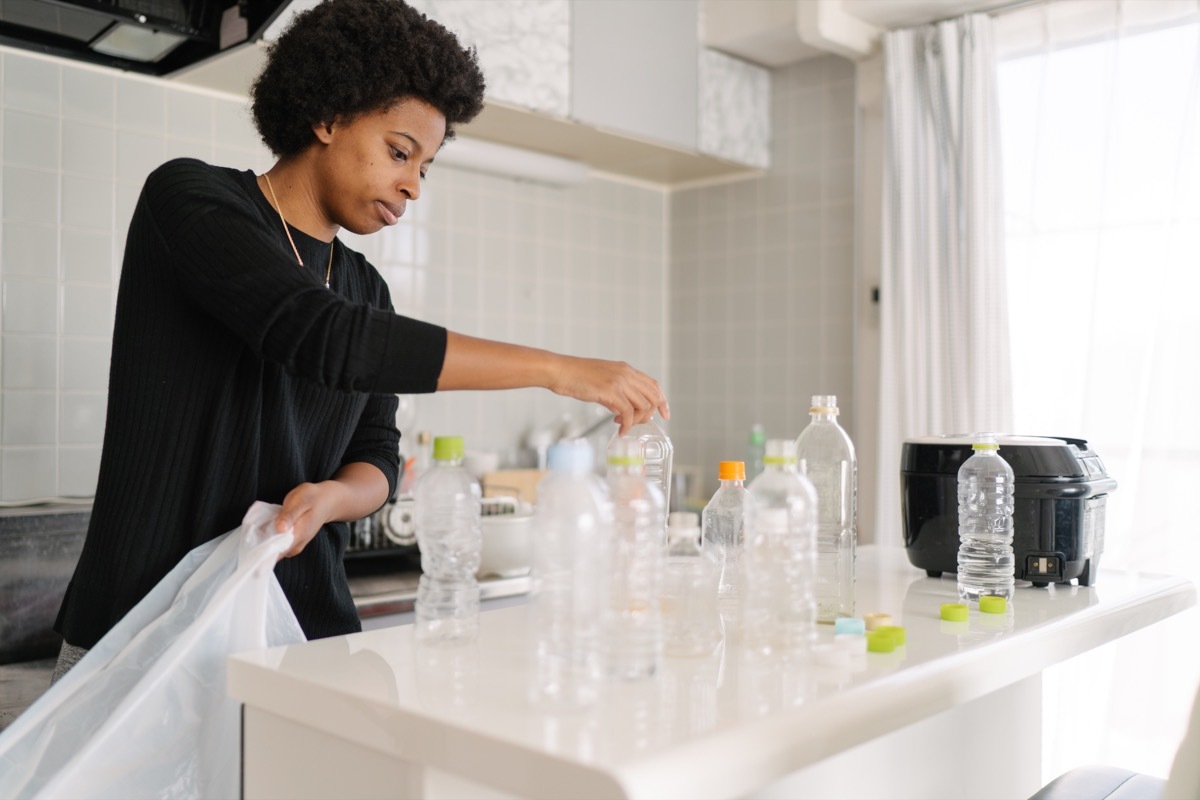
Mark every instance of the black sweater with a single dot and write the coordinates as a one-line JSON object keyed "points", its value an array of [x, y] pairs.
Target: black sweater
{"points": [[235, 377]]}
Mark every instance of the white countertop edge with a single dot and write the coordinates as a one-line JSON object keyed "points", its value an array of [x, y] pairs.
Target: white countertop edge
{"points": [[766, 748]]}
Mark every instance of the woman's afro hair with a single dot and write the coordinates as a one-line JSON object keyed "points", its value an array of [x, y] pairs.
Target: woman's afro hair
{"points": [[343, 58]]}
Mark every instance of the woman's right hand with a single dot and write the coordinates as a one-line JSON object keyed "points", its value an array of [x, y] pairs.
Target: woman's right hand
{"points": [[630, 394]]}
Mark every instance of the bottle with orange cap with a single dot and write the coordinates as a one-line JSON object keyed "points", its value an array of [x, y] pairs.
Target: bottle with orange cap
{"points": [[721, 525]]}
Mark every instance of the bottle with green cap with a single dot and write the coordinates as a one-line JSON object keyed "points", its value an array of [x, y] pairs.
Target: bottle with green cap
{"points": [[656, 451], [779, 559], [446, 513], [756, 450], [985, 522], [633, 622]]}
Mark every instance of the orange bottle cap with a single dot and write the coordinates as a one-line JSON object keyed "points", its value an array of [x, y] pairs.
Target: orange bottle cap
{"points": [[732, 471]]}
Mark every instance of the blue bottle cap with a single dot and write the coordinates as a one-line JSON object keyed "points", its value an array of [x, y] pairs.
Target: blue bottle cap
{"points": [[849, 625]]}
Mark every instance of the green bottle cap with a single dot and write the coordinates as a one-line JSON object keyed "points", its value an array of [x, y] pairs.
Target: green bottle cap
{"points": [[896, 632], [879, 641], [989, 604], [447, 448], [954, 612]]}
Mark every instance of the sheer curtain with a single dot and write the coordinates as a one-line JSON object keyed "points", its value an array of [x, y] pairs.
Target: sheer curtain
{"points": [[944, 346], [1101, 144]]}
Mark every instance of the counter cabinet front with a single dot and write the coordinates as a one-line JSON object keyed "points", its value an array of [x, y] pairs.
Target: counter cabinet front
{"points": [[378, 715]]}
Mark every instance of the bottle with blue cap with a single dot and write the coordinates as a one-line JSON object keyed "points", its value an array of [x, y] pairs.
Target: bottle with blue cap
{"points": [[572, 537], [446, 505], [985, 523]]}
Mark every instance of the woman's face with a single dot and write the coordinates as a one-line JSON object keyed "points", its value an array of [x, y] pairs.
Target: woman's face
{"points": [[370, 167]]}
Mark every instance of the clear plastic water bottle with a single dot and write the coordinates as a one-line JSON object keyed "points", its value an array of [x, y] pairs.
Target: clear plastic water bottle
{"points": [[656, 452], [572, 530], [633, 623], [756, 450], [779, 569], [985, 522], [825, 455], [446, 511], [691, 621], [722, 523]]}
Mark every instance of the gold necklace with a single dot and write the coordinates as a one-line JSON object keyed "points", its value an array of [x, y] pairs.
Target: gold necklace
{"points": [[328, 269]]}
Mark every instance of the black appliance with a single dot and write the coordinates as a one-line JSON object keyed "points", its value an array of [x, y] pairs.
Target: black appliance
{"points": [[1060, 492], [155, 37]]}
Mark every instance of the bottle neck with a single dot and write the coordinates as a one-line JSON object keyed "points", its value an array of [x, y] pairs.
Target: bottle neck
{"points": [[732, 482], [447, 462]]}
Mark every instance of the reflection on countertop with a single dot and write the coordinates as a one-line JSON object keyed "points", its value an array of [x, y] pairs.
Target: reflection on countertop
{"points": [[388, 585]]}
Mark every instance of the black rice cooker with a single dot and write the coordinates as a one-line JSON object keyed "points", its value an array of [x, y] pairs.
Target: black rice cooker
{"points": [[1060, 491]]}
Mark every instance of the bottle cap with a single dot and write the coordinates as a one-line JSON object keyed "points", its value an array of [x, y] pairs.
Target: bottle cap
{"points": [[571, 456], [824, 404], [984, 441], [990, 604], [895, 631], [625, 451], [731, 471], [447, 448], [757, 434], [877, 620], [880, 642], [780, 451], [849, 625], [954, 612]]}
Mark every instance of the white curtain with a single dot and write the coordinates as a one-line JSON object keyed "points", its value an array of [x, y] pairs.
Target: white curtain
{"points": [[1099, 105], [944, 340]]}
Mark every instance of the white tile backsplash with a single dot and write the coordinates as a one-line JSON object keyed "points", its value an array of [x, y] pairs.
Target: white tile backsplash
{"points": [[30, 307], [88, 96], [87, 149], [31, 84], [30, 140], [29, 362], [87, 203], [29, 250], [29, 195]]}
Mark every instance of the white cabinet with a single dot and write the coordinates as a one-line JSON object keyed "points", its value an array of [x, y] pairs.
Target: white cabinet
{"points": [[635, 68], [523, 47], [734, 110]]}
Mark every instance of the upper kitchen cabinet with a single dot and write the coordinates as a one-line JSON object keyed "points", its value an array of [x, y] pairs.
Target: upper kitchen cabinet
{"points": [[635, 68], [524, 47], [623, 86]]}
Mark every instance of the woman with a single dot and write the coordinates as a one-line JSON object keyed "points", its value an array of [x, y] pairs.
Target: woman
{"points": [[255, 357]]}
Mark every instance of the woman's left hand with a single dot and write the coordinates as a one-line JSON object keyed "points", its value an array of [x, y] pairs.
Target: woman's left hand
{"points": [[305, 509]]}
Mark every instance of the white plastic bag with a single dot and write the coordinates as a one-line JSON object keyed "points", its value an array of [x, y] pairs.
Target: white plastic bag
{"points": [[145, 712]]}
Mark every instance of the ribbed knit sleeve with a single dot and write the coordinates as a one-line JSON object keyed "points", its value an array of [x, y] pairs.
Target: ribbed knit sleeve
{"points": [[231, 266]]}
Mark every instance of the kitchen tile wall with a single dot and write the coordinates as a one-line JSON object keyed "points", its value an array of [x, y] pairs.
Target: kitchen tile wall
{"points": [[762, 280], [581, 270]]}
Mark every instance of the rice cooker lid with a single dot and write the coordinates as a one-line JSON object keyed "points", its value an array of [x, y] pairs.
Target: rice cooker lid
{"points": [[1029, 456]]}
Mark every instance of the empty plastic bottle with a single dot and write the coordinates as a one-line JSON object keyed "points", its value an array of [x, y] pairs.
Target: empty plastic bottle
{"points": [[825, 455], [691, 621], [756, 449], [447, 510], [722, 524], [656, 451], [779, 569], [985, 522], [633, 623], [572, 530]]}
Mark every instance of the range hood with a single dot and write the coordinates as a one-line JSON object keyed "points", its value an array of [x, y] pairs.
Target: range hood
{"points": [[154, 37]]}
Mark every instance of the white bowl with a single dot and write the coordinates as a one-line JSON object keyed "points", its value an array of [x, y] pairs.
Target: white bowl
{"points": [[506, 545]]}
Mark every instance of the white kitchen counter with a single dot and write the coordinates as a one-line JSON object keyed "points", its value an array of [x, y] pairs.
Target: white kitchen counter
{"points": [[954, 713]]}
